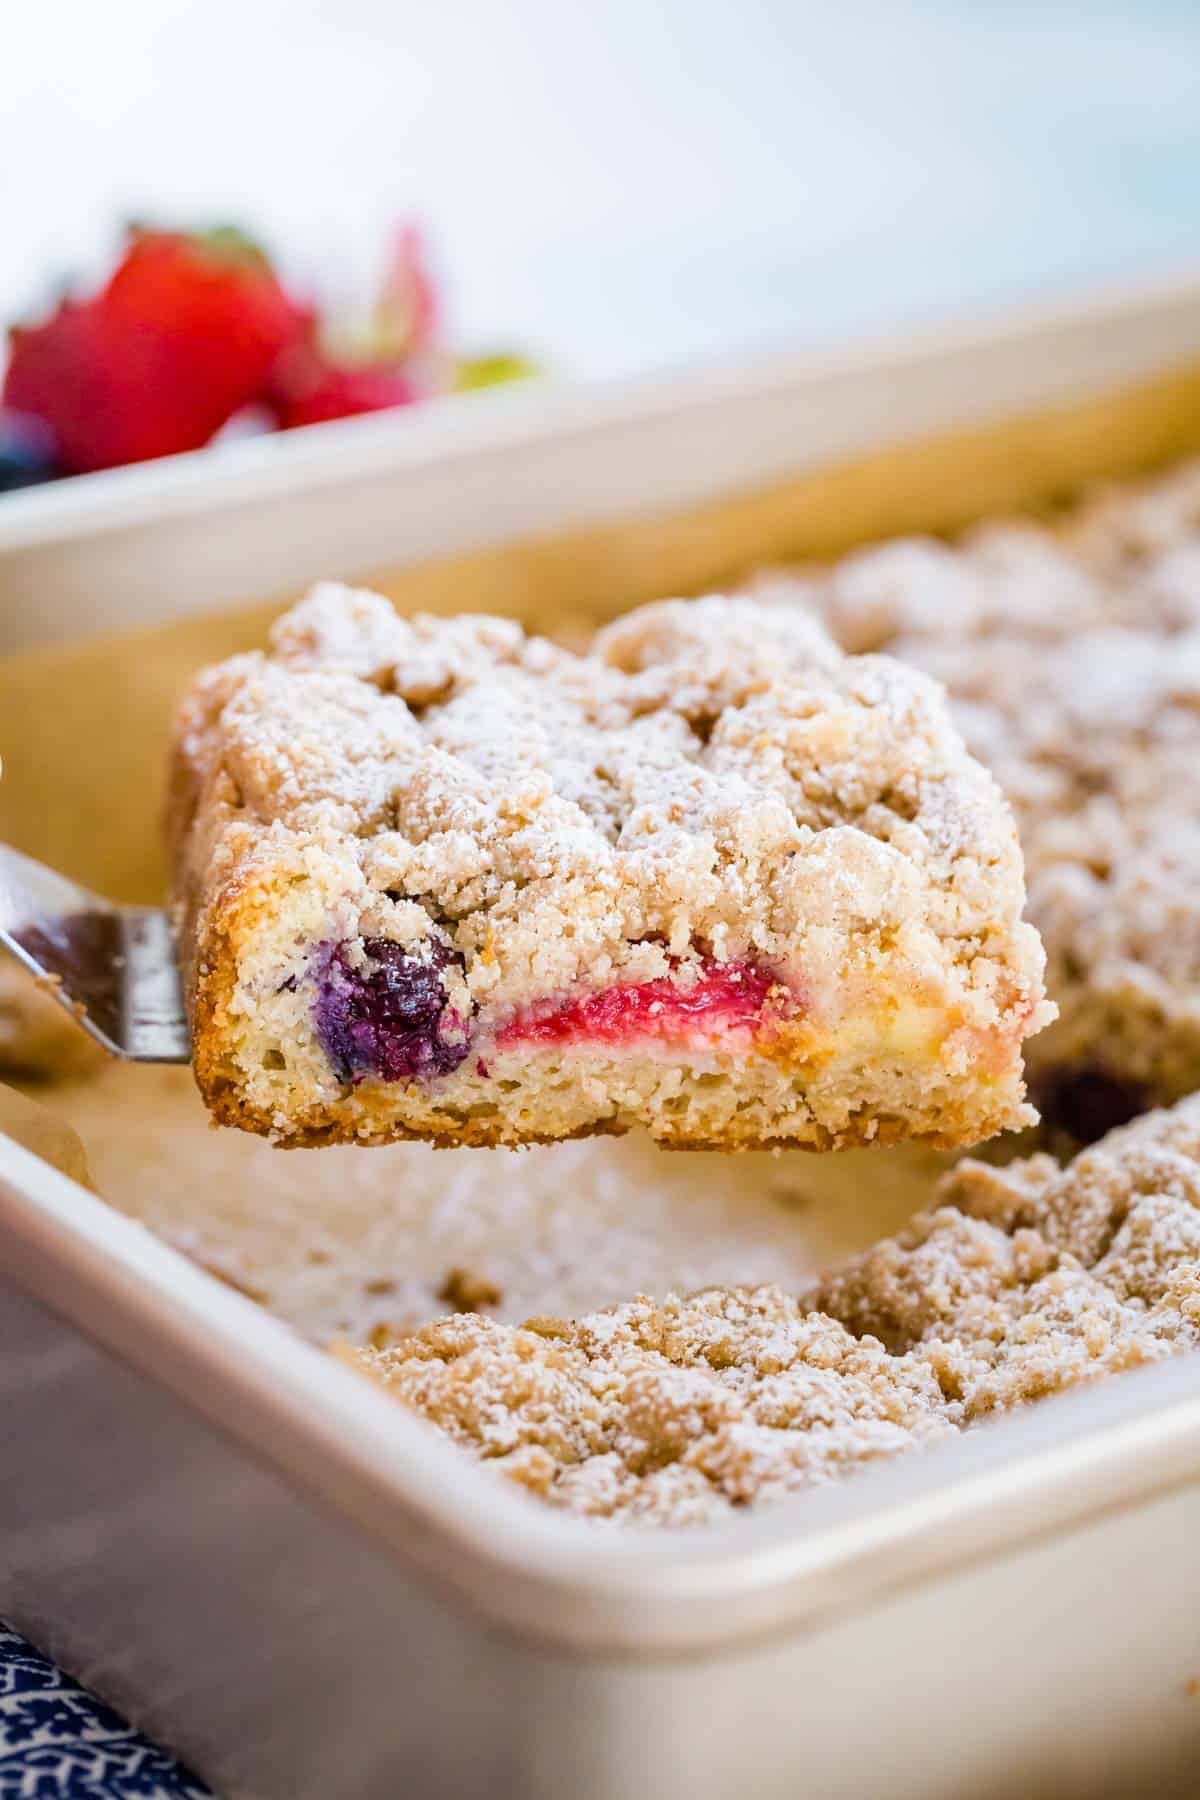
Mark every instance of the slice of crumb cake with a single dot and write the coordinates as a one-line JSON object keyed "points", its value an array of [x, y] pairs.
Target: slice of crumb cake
{"points": [[714, 877]]}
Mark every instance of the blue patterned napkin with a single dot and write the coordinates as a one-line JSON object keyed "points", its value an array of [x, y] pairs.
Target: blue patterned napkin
{"points": [[58, 1742]]}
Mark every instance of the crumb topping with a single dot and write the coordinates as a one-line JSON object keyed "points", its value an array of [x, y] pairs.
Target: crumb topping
{"points": [[1023, 1281], [668, 1411]]}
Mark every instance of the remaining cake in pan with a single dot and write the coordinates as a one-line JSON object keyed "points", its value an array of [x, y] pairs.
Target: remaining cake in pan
{"points": [[1022, 1281], [1072, 658], [1017, 1284], [714, 877], [671, 1411]]}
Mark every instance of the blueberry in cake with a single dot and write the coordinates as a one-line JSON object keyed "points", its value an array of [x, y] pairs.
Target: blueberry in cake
{"points": [[1072, 659], [713, 877], [1015, 1284]]}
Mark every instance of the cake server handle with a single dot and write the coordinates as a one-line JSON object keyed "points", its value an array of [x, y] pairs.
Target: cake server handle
{"points": [[114, 968]]}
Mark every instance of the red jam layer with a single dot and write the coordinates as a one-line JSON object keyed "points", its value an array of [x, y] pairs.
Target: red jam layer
{"points": [[727, 998]]}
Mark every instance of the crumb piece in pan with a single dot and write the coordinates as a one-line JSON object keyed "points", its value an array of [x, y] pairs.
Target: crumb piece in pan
{"points": [[438, 879], [38, 1037], [225, 1268], [1017, 1283], [1072, 659], [464, 1291]]}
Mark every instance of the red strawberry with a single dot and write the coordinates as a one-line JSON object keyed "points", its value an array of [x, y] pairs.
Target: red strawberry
{"points": [[391, 361], [310, 388], [92, 381], [217, 293], [185, 334]]}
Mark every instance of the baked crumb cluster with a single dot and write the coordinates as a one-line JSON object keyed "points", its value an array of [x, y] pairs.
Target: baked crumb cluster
{"points": [[1016, 1284], [1072, 658], [712, 876]]}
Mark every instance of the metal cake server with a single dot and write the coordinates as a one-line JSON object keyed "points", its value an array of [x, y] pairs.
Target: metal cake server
{"points": [[114, 968]]}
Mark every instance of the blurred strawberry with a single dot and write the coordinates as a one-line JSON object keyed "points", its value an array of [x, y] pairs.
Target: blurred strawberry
{"points": [[186, 332], [407, 317], [215, 291], [91, 383], [311, 389], [340, 370]]}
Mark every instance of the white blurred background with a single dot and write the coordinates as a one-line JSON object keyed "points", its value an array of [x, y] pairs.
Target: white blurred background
{"points": [[628, 183]]}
